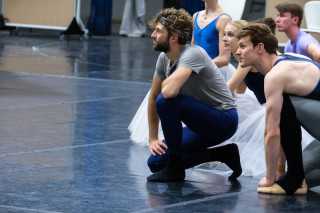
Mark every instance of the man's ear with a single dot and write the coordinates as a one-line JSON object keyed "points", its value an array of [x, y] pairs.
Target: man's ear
{"points": [[296, 20], [260, 47], [175, 37]]}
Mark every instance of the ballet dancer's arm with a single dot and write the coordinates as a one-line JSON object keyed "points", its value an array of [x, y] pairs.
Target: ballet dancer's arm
{"points": [[153, 120], [193, 18], [314, 51], [274, 96], [171, 86], [223, 58], [236, 83]]}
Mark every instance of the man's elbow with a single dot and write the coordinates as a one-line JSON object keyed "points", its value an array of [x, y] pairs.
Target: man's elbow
{"points": [[167, 93], [224, 61], [316, 57]]}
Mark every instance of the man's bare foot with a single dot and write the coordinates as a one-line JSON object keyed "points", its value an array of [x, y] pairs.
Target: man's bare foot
{"points": [[276, 189]]}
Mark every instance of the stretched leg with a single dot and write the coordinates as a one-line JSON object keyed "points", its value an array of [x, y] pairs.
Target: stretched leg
{"points": [[209, 125], [291, 143], [311, 163], [308, 113], [195, 152], [191, 143]]}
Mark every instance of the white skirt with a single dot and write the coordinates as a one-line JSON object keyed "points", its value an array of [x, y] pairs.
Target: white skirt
{"points": [[249, 136], [227, 71], [139, 128]]}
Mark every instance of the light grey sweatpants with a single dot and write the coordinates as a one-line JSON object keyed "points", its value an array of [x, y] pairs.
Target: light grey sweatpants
{"points": [[308, 113], [311, 163]]}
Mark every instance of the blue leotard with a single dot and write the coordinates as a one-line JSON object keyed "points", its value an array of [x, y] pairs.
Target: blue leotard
{"points": [[315, 93], [208, 37], [255, 82]]}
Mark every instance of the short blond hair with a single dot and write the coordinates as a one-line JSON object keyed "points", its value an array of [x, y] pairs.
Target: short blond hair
{"points": [[239, 24]]}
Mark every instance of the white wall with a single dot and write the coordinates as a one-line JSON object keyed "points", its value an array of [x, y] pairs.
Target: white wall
{"points": [[152, 7]]}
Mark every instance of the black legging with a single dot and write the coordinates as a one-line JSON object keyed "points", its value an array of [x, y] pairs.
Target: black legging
{"points": [[290, 130]]}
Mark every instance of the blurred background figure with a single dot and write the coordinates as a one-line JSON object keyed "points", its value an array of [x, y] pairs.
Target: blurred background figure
{"points": [[133, 19], [100, 20], [193, 6]]}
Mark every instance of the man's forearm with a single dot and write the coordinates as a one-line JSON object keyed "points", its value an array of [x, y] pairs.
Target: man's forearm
{"points": [[153, 121], [272, 150]]}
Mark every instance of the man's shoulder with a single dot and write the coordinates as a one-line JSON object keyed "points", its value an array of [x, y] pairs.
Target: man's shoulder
{"points": [[162, 57], [194, 49], [276, 76], [308, 37]]}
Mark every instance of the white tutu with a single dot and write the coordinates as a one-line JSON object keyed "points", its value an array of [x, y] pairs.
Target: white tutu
{"points": [[249, 138], [227, 71], [139, 128]]}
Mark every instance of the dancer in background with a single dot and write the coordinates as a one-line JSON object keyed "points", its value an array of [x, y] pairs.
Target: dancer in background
{"points": [[208, 33], [289, 20], [133, 23]]}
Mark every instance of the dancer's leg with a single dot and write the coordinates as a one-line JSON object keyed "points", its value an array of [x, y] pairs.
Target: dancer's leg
{"points": [[209, 126], [311, 163], [290, 130], [195, 152]]}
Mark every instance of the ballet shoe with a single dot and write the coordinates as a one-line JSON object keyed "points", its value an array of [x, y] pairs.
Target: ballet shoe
{"points": [[276, 189], [173, 172], [163, 176], [228, 154]]}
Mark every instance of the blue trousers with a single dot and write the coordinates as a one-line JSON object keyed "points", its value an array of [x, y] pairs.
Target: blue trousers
{"points": [[205, 127]]}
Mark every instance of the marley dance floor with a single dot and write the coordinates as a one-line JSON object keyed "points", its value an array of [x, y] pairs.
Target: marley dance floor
{"points": [[64, 144]]}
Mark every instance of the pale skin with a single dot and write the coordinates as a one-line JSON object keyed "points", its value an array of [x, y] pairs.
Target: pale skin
{"points": [[212, 11], [237, 84], [170, 87], [289, 25], [291, 77]]}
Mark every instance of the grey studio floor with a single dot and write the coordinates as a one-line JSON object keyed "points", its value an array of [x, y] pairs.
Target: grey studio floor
{"points": [[64, 144]]}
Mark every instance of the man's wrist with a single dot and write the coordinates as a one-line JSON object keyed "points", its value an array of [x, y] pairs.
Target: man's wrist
{"points": [[153, 139]]}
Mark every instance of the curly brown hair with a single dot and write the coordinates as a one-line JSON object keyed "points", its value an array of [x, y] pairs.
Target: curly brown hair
{"points": [[260, 33], [175, 21]]}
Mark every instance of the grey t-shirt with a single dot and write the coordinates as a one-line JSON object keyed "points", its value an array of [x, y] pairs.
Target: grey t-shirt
{"points": [[206, 82]]}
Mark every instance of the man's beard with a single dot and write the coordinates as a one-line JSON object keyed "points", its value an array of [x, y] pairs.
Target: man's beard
{"points": [[163, 47]]}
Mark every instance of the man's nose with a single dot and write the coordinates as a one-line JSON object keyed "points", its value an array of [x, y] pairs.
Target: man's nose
{"points": [[238, 52]]}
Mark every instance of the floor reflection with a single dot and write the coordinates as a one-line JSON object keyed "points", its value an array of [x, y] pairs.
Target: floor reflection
{"points": [[64, 112]]}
